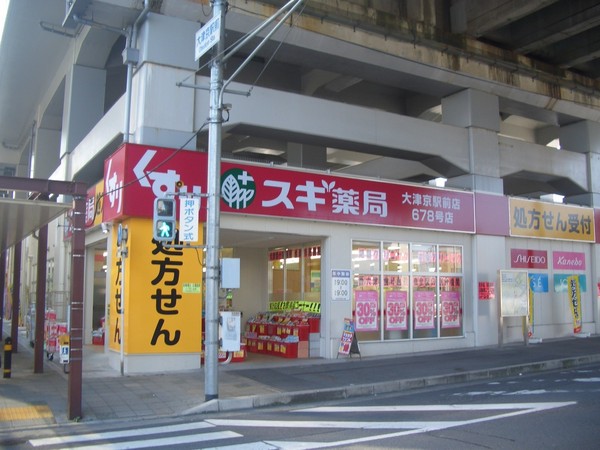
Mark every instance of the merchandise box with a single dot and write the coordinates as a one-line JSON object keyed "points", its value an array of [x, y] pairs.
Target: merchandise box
{"points": [[288, 349], [315, 324]]}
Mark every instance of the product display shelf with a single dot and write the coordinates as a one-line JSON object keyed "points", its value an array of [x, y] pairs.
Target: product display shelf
{"points": [[280, 334]]}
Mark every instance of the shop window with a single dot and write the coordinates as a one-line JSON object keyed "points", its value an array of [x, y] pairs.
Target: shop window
{"points": [[365, 306], [312, 270], [450, 257], [396, 270], [396, 257], [367, 260], [451, 310], [366, 257], [99, 295], [295, 274], [424, 306], [396, 320], [423, 258], [406, 290]]}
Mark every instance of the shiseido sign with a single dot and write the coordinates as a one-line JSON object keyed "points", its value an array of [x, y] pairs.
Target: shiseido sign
{"points": [[528, 259]]}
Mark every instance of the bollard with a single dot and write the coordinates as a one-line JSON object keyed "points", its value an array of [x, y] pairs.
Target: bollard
{"points": [[7, 356]]}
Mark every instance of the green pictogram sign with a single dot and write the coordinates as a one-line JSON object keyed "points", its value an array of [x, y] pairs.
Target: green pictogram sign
{"points": [[238, 189]]}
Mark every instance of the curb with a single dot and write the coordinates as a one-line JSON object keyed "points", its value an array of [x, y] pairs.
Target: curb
{"points": [[386, 387]]}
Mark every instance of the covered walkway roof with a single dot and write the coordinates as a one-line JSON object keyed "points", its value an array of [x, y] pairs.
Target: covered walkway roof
{"points": [[21, 217]]}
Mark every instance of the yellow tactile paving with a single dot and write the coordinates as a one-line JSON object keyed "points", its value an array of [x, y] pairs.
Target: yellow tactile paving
{"points": [[25, 413]]}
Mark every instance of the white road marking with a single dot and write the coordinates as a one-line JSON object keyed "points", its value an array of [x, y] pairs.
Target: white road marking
{"points": [[159, 442], [59, 440], [248, 446], [340, 424], [452, 407], [440, 426], [407, 427], [508, 393]]}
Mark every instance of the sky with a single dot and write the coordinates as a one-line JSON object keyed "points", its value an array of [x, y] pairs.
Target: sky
{"points": [[3, 10]]}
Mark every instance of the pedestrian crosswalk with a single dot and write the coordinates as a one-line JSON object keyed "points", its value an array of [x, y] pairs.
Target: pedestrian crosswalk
{"points": [[148, 437], [216, 433]]}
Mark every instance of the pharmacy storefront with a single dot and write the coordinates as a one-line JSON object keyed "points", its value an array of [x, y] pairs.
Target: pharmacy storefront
{"points": [[393, 260]]}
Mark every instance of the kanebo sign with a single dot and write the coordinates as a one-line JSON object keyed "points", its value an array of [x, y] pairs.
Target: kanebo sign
{"points": [[568, 260]]}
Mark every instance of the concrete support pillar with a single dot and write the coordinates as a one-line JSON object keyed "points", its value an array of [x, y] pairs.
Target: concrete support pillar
{"points": [[307, 156], [479, 113], [46, 153], [163, 113], [83, 105], [584, 137]]}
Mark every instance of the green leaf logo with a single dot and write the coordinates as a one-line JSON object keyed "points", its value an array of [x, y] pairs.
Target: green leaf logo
{"points": [[238, 189]]}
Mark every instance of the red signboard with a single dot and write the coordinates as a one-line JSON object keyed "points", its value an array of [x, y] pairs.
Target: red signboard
{"points": [[568, 260], [521, 258], [491, 214], [136, 174], [487, 290]]}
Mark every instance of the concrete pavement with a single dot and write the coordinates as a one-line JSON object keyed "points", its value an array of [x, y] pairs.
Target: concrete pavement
{"points": [[39, 400]]}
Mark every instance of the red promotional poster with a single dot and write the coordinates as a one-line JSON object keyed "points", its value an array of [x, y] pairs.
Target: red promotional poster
{"points": [[366, 310], [450, 309], [424, 304], [347, 337], [396, 308]]}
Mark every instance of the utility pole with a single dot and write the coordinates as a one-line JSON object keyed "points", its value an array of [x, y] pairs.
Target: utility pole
{"points": [[211, 345], [215, 122]]}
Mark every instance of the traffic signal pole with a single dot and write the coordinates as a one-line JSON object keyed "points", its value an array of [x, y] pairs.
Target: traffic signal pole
{"points": [[215, 122]]}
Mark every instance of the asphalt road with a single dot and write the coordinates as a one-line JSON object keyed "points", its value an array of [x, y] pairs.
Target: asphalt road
{"points": [[559, 410]]}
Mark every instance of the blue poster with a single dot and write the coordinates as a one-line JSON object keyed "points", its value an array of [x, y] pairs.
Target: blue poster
{"points": [[560, 282], [538, 282]]}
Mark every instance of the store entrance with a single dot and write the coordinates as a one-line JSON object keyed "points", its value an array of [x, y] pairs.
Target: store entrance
{"points": [[280, 301], [99, 294]]}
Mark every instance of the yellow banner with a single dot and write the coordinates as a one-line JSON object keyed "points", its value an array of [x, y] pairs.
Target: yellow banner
{"points": [[295, 305], [575, 302], [151, 286], [94, 206], [532, 218], [530, 317]]}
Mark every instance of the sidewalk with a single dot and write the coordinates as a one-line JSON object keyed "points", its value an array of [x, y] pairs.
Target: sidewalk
{"points": [[33, 400]]}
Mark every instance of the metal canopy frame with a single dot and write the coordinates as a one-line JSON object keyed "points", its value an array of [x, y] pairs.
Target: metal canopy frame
{"points": [[20, 218]]}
